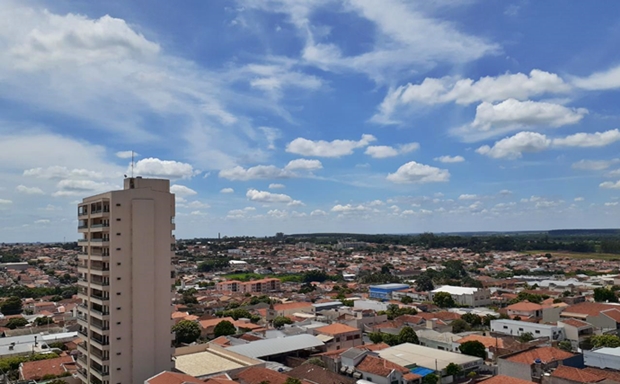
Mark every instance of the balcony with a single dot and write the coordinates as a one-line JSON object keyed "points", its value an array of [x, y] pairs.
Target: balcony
{"points": [[82, 242], [99, 372], [100, 213], [99, 355], [101, 315], [100, 343]]}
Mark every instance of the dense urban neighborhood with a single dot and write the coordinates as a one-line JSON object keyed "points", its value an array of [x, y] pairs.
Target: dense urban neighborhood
{"points": [[292, 310]]}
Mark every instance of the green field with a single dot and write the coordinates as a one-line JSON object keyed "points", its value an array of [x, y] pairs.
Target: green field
{"points": [[577, 255]]}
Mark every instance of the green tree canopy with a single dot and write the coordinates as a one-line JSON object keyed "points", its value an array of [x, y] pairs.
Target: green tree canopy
{"points": [[406, 300], [526, 337], [16, 322], [224, 328], [408, 335], [453, 369], [11, 306], [424, 283], [431, 378], [473, 348], [472, 319], [565, 345], [444, 300], [460, 325], [186, 331], [605, 295], [279, 321], [609, 341]]}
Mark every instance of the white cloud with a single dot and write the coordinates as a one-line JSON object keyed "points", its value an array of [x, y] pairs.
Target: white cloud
{"points": [[29, 190], [58, 172], [349, 208], [505, 192], [276, 186], [5, 202], [611, 204], [303, 165], [604, 80], [510, 115], [413, 172], [126, 154], [153, 167], [198, 213], [267, 197], [610, 185], [182, 190], [579, 198], [322, 148], [468, 197], [450, 159], [513, 147], [518, 86], [198, 204], [69, 187], [594, 165], [384, 151], [255, 173], [227, 190], [597, 139], [240, 213], [296, 203], [271, 135], [318, 213], [42, 221]]}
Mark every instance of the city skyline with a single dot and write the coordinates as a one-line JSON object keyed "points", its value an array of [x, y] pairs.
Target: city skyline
{"points": [[312, 116]]}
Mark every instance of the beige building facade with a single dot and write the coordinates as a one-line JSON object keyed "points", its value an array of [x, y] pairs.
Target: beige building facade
{"points": [[125, 276]]}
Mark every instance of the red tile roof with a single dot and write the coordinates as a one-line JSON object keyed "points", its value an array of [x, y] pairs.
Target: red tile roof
{"points": [[612, 313], [488, 341], [545, 354], [576, 323], [587, 308], [606, 373], [35, 370], [576, 374], [501, 379], [379, 366], [255, 375], [524, 306], [336, 329]]}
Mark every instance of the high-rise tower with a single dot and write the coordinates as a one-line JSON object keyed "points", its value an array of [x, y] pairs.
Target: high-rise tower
{"points": [[125, 275]]}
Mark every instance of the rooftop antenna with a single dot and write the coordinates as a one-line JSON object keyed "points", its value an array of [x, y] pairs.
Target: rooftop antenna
{"points": [[132, 164]]}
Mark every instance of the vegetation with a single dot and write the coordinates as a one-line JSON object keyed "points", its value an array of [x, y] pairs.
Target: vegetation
{"points": [[292, 380], [460, 325], [453, 369], [431, 378], [16, 322], [526, 337], [472, 319], [11, 306], [315, 361], [610, 341], [280, 321], [43, 320], [473, 348], [444, 300], [186, 332], [605, 295], [12, 363], [565, 345], [406, 335], [393, 311], [224, 328], [238, 313]]}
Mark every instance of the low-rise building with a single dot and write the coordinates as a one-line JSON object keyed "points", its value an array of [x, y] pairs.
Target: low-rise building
{"points": [[518, 328], [525, 310], [604, 358], [530, 364], [339, 336], [473, 297], [384, 291]]}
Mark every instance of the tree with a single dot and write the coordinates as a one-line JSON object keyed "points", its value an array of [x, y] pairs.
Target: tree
{"points": [[292, 380], [408, 335], [375, 337], [460, 325], [186, 331], [472, 319], [43, 320], [279, 321], [453, 369], [315, 361], [11, 306], [473, 348], [224, 328], [431, 378], [424, 283], [443, 300], [16, 322], [526, 337], [609, 341], [565, 345], [406, 300], [605, 295]]}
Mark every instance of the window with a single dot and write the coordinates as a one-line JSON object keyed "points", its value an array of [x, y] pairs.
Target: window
{"points": [[118, 323], [118, 353], [118, 219], [520, 329], [118, 278], [118, 233], [505, 327], [118, 249], [118, 263], [537, 331], [118, 308], [118, 293], [118, 204]]}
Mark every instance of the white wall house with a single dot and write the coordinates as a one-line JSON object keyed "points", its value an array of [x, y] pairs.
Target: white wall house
{"points": [[517, 328]]}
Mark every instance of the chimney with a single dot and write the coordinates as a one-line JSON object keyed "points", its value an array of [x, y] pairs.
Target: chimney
{"points": [[430, 323]]}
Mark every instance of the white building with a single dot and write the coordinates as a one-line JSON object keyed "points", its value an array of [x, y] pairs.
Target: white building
{"points": [[473, 297], [604, 358], [517, 328], [124, 283]]}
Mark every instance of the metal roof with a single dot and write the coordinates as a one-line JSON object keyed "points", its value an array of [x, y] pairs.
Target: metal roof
{"points": [[270, 347]]}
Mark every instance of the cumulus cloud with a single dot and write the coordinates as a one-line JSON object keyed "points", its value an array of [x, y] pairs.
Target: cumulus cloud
{"points": [[322, 148], [604, 80], [227, 190], [58, 172], [240, 213], [303, 165], [468, 197], [348, 208], [413, 172], [5, 202], [513, 147], [268, 197], [271, 135], [596, 139], [490, 89], [81, 187], [450, 159], [182, 190], [318, 213], [384, 151], [126, 154], [579, 198], [255, 173], [153, 167], [610, 185], [510, 115], [29, 190], [276, 186], [594, 165]]}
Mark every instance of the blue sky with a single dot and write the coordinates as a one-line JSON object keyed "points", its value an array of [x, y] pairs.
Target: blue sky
{"points": [[313, 116]]}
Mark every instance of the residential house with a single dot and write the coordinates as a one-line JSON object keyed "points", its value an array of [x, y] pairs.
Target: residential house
{"points": [[314, 374], [530, 364], [525, 310], [207, 327], [576, 331], [517, 328], [603, 316], [465, 296], [338, 336], [381, 371], [36, 370]]}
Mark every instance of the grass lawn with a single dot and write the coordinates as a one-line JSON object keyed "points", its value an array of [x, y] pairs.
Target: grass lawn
{"points": [[577, 255]]}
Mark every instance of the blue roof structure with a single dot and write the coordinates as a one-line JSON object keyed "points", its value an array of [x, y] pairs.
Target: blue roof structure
{"points": [[421, 371]]}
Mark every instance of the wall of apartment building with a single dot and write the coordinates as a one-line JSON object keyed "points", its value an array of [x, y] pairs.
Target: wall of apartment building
{"points": [[517, 370]]}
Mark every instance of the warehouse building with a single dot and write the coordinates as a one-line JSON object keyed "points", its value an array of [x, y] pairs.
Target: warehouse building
{"points": [[384, 291]]}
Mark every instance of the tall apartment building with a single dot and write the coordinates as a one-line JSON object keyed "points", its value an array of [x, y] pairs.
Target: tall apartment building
{"points": [[254, 286], [125, 275]]}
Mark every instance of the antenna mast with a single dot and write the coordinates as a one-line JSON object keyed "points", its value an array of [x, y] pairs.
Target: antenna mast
{"points": [[132, 164]]}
